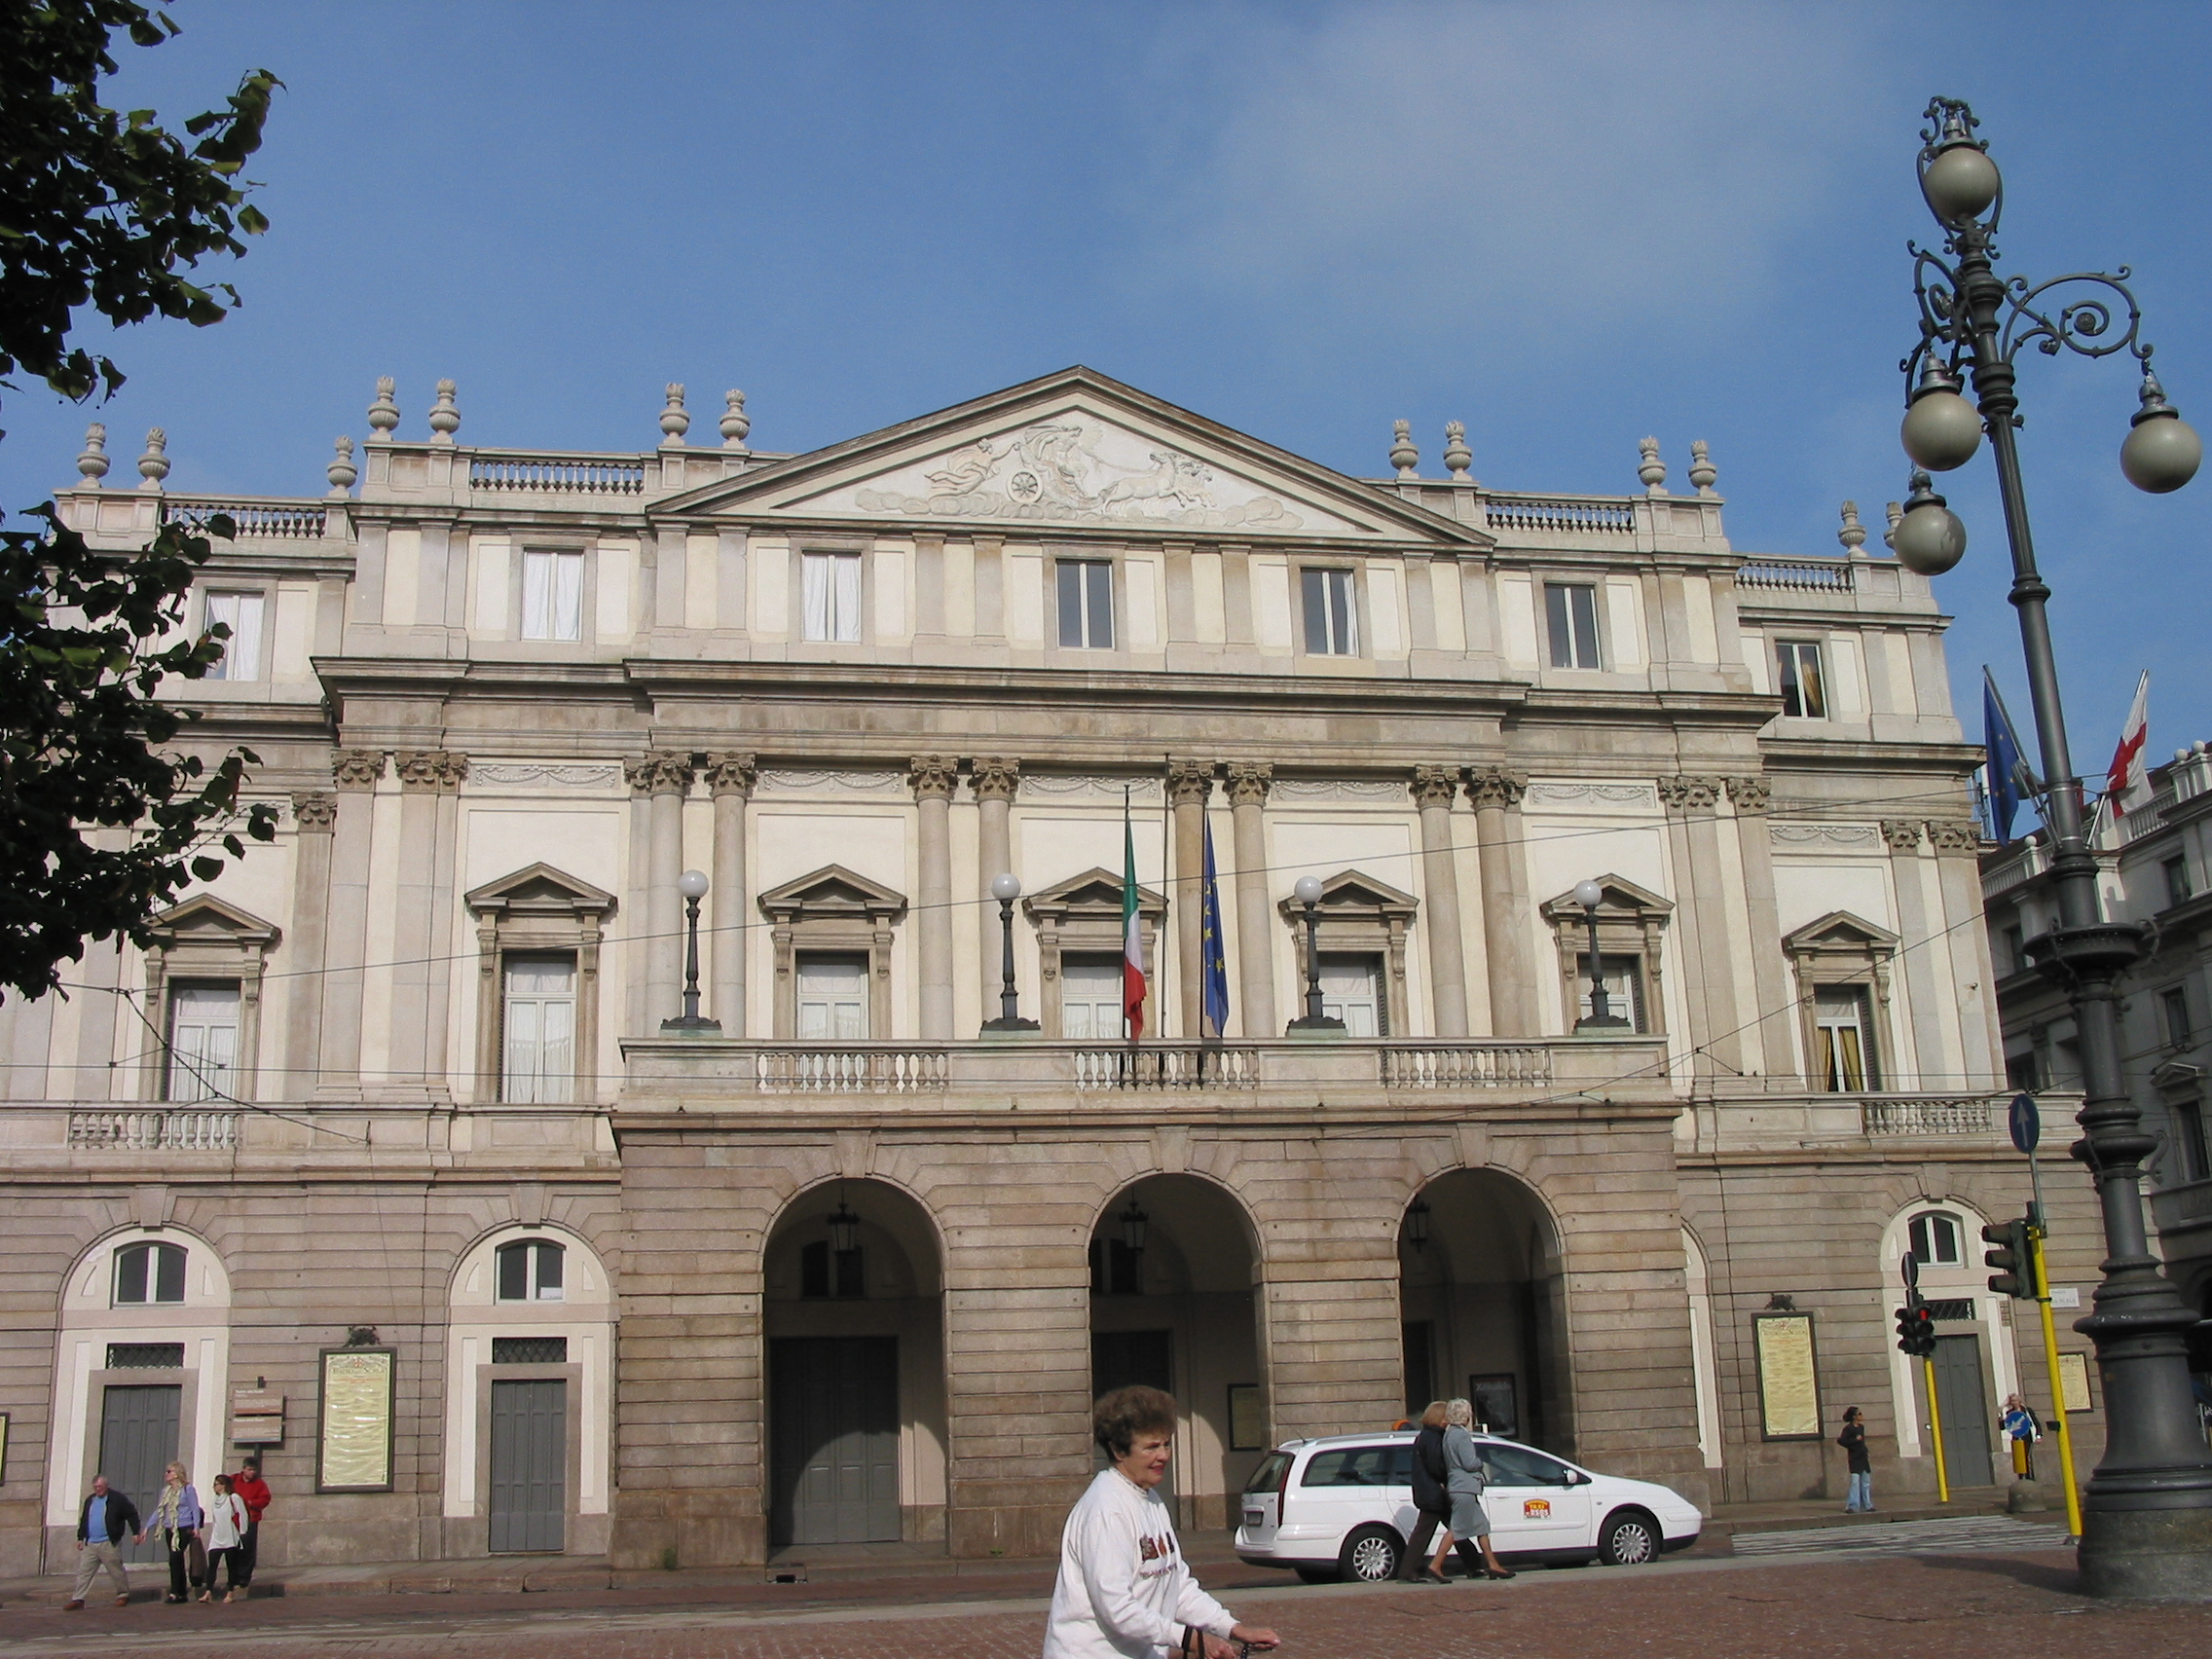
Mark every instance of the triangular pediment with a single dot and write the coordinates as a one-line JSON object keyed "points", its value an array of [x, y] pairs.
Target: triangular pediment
{"points": [[1072, 452], [832, 890], [1840, 930], [206, 918], [539, 887], [1619, 896], [1349, 889], [1097, 891]]}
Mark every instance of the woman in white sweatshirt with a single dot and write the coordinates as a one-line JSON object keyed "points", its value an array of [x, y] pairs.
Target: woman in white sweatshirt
{"points": [[1124, 1590]]}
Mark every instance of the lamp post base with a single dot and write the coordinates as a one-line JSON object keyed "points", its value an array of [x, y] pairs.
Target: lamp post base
{"points": [[2148, 1555], [1010, 1026], [693, 1025], [1315, 1025], [1610, 1026]]}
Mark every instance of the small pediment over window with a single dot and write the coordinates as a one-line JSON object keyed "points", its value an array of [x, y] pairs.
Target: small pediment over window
{"points": [[206, 920], [1351, 894], [1622, 898], [833, 891], [1094, 895], [540, 890], [1840, 933]]}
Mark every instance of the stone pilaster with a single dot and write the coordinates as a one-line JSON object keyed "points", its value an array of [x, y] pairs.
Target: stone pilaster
{"points": [[731, 778], [1710, 985], [1918, 955], [637, 901], [993, 778], [1496, 796], [314, 819], [346, 938], [1957, 843], [932, 778], [421, 980], [1770, 973], [1434, 787], [1249, 781], [1190, 784], [673, 775]]}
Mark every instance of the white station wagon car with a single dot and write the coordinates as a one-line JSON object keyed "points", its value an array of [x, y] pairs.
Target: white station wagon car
{"points": [[1342, 1507]]}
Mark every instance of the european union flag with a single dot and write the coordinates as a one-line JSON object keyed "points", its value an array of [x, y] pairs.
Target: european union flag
{"points": [[1214, 969], [2009, 779]]}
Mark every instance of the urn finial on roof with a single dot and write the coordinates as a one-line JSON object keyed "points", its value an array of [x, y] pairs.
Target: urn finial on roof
{"points": [[92, 462], [445, 417], [1702, 470], [342, 472], [1458, 456], [384, 413], [675, 419], [1851, 534], [153, 465], [1651, 470], [1403, 456], [735, 422]]}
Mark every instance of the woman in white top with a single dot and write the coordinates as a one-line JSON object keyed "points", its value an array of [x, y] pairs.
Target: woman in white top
{"points": [[1124, 1591], [226, 1539]]}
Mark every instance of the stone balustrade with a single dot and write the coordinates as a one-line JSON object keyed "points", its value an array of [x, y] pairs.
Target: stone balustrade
{"points": [[1799, 575], [155, 1131]]}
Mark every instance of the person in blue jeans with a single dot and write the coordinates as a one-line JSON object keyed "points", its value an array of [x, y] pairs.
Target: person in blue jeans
{"points": [[1860, 1498]]}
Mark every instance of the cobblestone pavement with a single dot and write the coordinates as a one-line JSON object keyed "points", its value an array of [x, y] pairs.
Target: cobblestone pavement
{"points": [[1934, 1605], [1908, 1537]]}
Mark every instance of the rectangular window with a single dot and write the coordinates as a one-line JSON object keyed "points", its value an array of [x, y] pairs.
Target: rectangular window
{"points": [[2177, 880], [2189, 1137], [1090, 998], [552, 594], [2023, 1072], [1842, 1054], [832, 999], [541, 1026], [1351, 990], [2173, 1007], [2016, 950], [145, 1356], [1623, 979], [240, 613], [1086, 605], [1331, 619], [831, 594], [1804, 687], [203, 1042], [1570, 609], [530, 1350]]}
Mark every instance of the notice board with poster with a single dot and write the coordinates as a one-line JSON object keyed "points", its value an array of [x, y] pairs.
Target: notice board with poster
{"points": [[1789, 1390], [355, 1440]]}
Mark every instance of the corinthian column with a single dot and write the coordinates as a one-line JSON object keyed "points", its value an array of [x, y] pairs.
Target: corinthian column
{"points": [[314, 816], [1710, 952], [1434, 787], [345, 944], [730, 777], [994, 779], [1188, 785], [421, 980], [672, 778], [1770, 974], [932, 777], [1496, 795], [1248, 784]]}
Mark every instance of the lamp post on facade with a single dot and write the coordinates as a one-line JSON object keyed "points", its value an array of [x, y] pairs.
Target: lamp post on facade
{"points": [[1006, 889], [2146, 1523], [1601, 1021], [1307, 892], [692, 884]]}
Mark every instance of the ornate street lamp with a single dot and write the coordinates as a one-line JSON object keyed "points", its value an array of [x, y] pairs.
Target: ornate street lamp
{"points": [[692, 884], [2147, 1521], [1307, 892], [1006, 889], [1601, 1021], [1134, 1220], [844, 1227], [1416, 1224]]}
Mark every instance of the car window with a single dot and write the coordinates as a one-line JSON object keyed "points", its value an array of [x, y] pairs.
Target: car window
{"points": [[1267, 1477], [1517, 1465], [1402, 1465], [1354, 1466]]}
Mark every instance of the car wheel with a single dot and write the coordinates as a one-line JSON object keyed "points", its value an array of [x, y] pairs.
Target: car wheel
{"points": [[1371, 1555], [1630, 1538]]}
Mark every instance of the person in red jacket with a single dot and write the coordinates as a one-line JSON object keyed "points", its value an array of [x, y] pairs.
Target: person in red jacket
{"points": [[254, 1491]]}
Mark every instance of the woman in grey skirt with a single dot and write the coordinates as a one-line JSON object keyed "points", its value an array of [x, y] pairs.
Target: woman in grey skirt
{"points": [[1464, 1484]]}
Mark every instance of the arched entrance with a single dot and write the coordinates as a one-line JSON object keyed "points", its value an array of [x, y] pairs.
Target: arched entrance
{"points": [[1172, 1306], [1484, 1306], [855, 1326]]}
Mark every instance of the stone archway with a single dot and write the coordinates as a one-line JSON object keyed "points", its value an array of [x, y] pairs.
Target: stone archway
{"points": [[854, 1319], [1174, 1303], [1483, 1303]]}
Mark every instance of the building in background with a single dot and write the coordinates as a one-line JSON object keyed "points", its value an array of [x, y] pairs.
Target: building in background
{"points": [[380, 1158]]}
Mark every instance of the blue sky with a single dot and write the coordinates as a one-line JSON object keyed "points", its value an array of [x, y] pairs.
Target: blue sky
{"points": [[1566, 225]]}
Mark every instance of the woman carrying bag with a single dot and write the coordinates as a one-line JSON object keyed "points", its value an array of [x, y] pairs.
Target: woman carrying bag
{"points": [[177, 1519], [1464, 1482], [2023, 1431]]}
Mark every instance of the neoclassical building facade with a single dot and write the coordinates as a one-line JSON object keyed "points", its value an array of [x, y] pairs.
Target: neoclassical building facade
{"points": [[381, 1160]]}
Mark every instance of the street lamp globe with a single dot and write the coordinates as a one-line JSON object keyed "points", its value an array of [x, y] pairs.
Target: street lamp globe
{"points": [[1960, 183], [1308, 890], [692, 884], [1588, 894], [2163, 451], [1930, 539], [1941, 429], [1005, 888]]}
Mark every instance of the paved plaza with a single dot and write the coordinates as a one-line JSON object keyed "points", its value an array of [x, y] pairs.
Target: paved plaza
{"points": [[1898, 1593]]}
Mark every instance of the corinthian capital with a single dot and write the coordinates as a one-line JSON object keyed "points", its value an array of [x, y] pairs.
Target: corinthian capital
{"points": [[1902, 833], [431, 770], [1435, 786], [932, 776], [1751, 795], [315, 809], [356, 768], [1249, 781], [1690, 794], [1190, 782], [994, 777], [1497, 787], [732, 774], [1955, 836]]}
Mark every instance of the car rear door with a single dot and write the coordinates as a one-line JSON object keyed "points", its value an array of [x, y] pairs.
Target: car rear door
{"points": [[1263, 1499], [1341, 1488], [1533, 1500]]}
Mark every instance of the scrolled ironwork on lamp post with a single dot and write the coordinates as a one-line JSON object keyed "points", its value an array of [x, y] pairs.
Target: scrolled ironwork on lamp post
{"points": [[2147, 1521]]}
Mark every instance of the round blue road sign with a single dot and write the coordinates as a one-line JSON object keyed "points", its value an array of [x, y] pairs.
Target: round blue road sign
{"points": [[2026, 1122]]}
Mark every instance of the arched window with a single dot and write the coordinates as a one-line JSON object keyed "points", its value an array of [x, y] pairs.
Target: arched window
{"points": [[1935, 1239], [148, 1273], [529, 1271]]}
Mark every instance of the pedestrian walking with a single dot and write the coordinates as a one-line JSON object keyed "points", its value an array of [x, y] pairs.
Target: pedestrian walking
{"points": [[177, 1520], [253, 1492], [2023, 1431], [226, 1540], [1124, 1590], [1464, 1484], [1432, 1502], [1859, 1500], [105, 1520]]}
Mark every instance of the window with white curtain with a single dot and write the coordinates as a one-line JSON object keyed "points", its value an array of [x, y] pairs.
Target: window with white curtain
{"points": [[1351, 990], [541, 1028], [552, 594], [1839, 1022], [832, 999], [1332, 613], [240, 613], [203, 1042], [1803, 679], [830, 590], [1623, 979], [1090, 998]]}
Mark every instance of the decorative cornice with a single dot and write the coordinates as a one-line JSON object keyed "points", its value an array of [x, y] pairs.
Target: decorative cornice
{"points": [[430, 768], [1249, 781], [932, 776], [552, 773], [315, 809], [1902, 833], [732, 774], [356, 768], [1751, 795], [1189, 783], [1690, 793], [1435, 785], [994, 777], [1497, 787], [1610, 795], [1805, 835]]}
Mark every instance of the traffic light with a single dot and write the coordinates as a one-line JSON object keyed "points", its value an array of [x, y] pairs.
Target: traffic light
{"points": [[1916, 1330], [2011, 1258]]}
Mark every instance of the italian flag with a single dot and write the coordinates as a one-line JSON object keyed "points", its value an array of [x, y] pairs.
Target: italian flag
{"points": [[1133, 934]]}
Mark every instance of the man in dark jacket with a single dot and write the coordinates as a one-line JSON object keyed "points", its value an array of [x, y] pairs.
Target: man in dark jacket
{"points": [[1860, 1466], [106, 1519], [1430, 1497]]}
